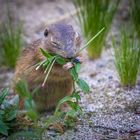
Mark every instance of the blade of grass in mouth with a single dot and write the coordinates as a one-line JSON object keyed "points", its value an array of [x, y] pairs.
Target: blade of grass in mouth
{"points": [[39, 64], [86, 45], [49, 70]]}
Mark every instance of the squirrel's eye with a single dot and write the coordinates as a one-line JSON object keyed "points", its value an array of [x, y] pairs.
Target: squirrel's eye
{"points": [[46, 33]]}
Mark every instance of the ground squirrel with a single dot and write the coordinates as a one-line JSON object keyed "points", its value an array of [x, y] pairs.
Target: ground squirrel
{"points": [[59, 39]]}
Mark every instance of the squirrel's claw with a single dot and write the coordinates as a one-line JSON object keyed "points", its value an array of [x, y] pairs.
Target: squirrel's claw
{"points": [[68, 66]]}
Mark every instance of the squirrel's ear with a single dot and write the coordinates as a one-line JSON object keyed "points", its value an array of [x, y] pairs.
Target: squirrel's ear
{"points": [[76, 35], [46, 32], [78, 39]]}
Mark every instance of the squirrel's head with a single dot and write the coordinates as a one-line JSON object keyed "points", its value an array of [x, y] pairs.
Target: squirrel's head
{"points": [[61, 39]]}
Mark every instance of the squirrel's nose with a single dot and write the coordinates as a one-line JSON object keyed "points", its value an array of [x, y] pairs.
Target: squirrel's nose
{"points": [[70, 54]]}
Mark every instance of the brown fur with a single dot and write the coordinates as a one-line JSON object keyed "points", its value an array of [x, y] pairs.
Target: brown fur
{"points": [[58, 85]]}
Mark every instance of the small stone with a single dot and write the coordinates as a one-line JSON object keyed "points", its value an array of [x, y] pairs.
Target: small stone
{"points": [[101, 65], [93, 75], [52, 133], [110, 77]]}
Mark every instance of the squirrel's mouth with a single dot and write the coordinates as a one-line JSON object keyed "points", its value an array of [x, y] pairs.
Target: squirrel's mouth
{"points": [[71, 54]]}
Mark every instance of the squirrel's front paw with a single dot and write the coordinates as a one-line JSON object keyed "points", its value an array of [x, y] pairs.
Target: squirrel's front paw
{"points": [[68, 65], [78, 59]]}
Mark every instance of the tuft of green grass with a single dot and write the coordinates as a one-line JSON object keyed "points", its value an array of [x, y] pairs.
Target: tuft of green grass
{"points": [[127, 59], [10, 42], [13, 123], [135, 16], [8, 113], [92, 17], [29, 105]]}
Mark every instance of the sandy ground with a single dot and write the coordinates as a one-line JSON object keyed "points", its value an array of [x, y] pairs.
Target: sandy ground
{"points": [[110, 111]]}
